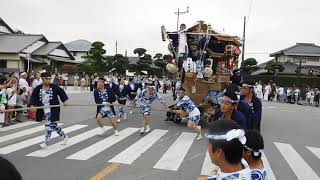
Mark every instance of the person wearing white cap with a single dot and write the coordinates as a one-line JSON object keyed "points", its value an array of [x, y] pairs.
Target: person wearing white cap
{"points": [[146, 97], [24, 85]]}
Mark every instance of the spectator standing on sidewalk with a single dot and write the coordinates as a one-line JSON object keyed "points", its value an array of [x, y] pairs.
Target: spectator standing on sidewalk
{"points": [[296, 95], [76, 81], [65, 81], [316, 97], [289, 95], [308, 97], [37, 81], [311, 97], [281, 94], [23, 84], [11, 94], [87, 81], [83, 84]]}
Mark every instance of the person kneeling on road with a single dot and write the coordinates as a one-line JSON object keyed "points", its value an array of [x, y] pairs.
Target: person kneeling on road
{"points": [[186, 103]]}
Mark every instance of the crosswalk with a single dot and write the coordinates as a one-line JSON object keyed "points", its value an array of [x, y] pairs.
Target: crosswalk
{"points": [[171, 160]]}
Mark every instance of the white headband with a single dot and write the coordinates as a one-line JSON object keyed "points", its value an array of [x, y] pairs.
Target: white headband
{"points": [[255, 152], [232, 134]]}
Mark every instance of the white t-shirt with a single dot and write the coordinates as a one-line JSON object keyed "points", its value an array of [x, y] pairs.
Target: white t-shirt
{"points": [[36, 83], [182, 42], [308, 94], [23, 83], [296, 92], [281, 90], [12, 97], [288, 92]]}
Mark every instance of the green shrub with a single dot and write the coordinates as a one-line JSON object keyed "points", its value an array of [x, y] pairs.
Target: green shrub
{"points": [[301, 81]]}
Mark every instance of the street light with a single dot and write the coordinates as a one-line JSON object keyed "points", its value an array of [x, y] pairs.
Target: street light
{"points": [[178, 13]]}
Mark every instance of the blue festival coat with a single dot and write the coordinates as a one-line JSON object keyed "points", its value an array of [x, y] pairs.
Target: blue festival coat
{"points": [[35, 100]]}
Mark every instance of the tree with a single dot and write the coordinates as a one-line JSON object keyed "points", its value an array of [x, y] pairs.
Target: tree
{"points": [[157, 56], [18, 31], [140, 51], [249, 65], [69, 69], [47, 67], [144, 63], [120, 63], [160, 62], [95, 57], [274, 67]]}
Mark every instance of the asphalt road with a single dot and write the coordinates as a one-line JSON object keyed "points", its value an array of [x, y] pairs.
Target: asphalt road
{"points": [[290, 132]]}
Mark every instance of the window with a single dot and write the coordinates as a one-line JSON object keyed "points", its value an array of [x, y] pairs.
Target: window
{"points": [[74, 53], [313, 59], [297, 59], [3, 63]]}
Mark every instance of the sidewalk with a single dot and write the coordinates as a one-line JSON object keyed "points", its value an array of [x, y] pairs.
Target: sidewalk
{"points": [[71, 90]]}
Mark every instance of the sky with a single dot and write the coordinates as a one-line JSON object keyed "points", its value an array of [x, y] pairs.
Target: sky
{"points": [[272, 25]]}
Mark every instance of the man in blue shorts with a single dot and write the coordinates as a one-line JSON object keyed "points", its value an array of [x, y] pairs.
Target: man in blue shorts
{"points": [[101, 96], [146, 97]]}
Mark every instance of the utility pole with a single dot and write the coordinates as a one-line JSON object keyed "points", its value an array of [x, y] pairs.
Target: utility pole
{"points": [[28, 56], [244, 39], [116, 47], [178, 13]]}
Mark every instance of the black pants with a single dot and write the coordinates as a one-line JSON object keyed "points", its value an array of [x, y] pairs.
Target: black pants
{"points": [[165, 89]]}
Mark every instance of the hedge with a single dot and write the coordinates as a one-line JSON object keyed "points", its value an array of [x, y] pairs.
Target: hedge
{"points": [[301, 81]]}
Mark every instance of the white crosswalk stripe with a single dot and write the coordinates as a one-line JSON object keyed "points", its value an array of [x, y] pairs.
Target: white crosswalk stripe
{"points": [[315, 151], [19, 125], [36, 140], [134, 151], [72, 141], [295, 161], [268, 168], [102, 145], [22, 133], [208, 166], [173, 158]]}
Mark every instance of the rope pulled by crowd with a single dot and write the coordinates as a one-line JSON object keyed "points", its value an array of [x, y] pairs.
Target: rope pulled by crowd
{"points": [[75, 105]]}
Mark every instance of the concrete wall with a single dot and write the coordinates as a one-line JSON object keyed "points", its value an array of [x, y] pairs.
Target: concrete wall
{"points": [[9, 56], [79, 55]]}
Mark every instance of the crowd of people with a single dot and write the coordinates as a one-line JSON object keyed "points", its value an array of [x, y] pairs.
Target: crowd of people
{"points": [[293, 95], [16, 93], [235, 144]]}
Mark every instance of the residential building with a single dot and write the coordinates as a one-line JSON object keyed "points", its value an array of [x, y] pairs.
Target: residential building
{"points": [[22, 52], [79, 49], [307, 53]]}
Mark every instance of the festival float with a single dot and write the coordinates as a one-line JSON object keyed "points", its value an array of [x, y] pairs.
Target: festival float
{"points": [[203, 58]]}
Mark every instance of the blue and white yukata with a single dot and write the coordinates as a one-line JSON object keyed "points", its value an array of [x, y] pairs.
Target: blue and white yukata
{"points": [[194, 114], [42, 97], [49, 124], [259, 174], [146, 101], [103, 98], [123, 91]]}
